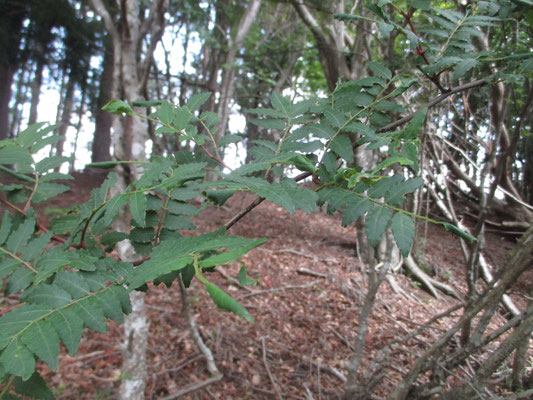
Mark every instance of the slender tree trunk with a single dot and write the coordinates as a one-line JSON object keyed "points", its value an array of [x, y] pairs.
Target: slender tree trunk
{"points": [[101, 146], [66, 113], [129, 36], [36, 90], [6, 79]]}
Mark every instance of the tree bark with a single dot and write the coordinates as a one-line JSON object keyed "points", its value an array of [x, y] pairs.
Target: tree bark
{"points": [[101, 146]]}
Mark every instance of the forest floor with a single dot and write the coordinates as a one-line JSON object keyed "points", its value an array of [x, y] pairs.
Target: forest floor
{"points": [[304, 323]]}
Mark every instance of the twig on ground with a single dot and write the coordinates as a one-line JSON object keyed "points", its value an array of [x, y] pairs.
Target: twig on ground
{"points": [[265, 363], [278, 289], [194, 387], [341, 338], [305, 271], [298, 253], [326, 368]]}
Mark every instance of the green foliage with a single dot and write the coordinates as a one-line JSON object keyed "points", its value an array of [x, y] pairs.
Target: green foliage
{"points": [[67, 278]]}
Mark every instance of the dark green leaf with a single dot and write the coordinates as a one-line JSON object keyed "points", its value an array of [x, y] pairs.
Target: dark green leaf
{"points": [[280, 103], [219, 197], [181, 208], [342, 146], [380, 70], [8, 266], [73, 282], [50, 163], [20, 236], [196, 101], [142, 235], [403, 229], [19, 280], [17, 320], [18, 360], [113, 206], [36, 246], [415, 125], [91, 314], [138, 203], [35, 387], [166, 112], [47, 190], [147, 103], [13, 154], [377, 221], [5, 227], [233, 255], [41, 338], [69, 326], [182, 117], [277, 124], [50, 295]]}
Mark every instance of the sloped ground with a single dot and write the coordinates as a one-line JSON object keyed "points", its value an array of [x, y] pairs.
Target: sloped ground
{"points": [[303, 323]]}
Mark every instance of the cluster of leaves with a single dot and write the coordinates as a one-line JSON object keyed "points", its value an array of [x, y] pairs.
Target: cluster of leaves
{"points": [[445, 38], [67, 277]]}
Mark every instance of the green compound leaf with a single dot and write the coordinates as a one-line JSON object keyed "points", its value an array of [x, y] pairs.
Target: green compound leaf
{"points": [[377, 221], [403, 229], [225, 302], [176, 253]]}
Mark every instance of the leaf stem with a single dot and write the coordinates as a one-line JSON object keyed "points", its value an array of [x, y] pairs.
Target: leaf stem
{"points": [[13, 255], [7, 386]]}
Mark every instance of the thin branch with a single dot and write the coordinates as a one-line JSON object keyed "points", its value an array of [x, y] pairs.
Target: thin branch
{"points": [[439, 99], [265, 363]]}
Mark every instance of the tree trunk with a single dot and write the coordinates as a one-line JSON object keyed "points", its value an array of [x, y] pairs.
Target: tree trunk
{"points": [[130, 36], [65, 115], [101, 146], [36, 90], [6, 79]]}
